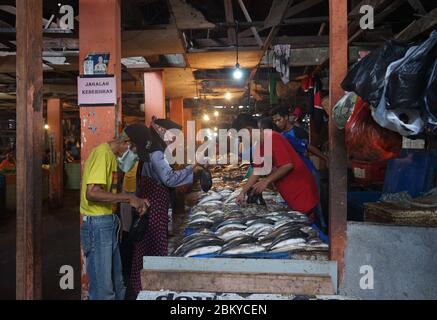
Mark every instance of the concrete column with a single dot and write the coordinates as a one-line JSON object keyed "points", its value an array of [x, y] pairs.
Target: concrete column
{"points": [[99, 32], [154, 95]]}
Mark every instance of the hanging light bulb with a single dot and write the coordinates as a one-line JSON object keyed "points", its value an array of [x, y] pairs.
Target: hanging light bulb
{"points": [[237, 72], [216, 113], [228, 95], [46, 126], [206, 117]]}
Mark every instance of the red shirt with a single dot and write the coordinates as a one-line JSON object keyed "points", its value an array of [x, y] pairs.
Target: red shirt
{"points": [[298, 187]]}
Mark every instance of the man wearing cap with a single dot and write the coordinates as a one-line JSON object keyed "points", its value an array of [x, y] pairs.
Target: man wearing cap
{"points": [[100, 227]]}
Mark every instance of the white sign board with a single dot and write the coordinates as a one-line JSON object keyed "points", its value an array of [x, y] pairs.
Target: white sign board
{"points": [[96, 91]]}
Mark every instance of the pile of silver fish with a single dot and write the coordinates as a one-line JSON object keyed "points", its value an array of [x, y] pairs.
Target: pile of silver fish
{"points": [[220, 226]]}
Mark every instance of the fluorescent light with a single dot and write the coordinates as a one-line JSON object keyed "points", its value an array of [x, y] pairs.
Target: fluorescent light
{"points": [[240, 107]]}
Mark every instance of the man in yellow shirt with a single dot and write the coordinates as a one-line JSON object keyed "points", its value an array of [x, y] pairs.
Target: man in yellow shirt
{"points": [[100, 227]]}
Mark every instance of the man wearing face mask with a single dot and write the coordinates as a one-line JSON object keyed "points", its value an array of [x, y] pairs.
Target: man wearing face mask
{"points": [[100, 227]]}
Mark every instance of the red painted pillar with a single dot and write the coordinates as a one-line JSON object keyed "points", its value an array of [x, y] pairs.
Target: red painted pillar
{"points": [[338, 53], [154, 95], [177, 110], [54, 120], [99, 32]]}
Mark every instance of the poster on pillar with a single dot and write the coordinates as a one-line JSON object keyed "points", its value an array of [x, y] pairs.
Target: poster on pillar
{"points": [[96, 64], [97, 90]]}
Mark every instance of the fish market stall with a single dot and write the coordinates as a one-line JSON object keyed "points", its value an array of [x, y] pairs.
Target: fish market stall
{"points": [[218, 227], [219, 245]]}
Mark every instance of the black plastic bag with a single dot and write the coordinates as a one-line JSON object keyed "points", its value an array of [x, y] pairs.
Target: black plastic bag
{"points": [[366, 77], [407, 83], [255, 198], [139, 227], [205, 180]]}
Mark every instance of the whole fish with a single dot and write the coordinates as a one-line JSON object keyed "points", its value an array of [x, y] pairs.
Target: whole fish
{"points": [[245, 249], [289, 247], [255, 227], [229, 227], [235, 242], [191, 245], [229, 221], [286, 242], [212, 197], [233, 195], [203, 250], [263, 231], [227, 236]]}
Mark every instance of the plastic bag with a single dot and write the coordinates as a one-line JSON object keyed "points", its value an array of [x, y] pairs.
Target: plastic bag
{"points": [[343, 109], [408, 80], [431, 102], [205, 180], [405, 121], [366, 78], [366, 140]]}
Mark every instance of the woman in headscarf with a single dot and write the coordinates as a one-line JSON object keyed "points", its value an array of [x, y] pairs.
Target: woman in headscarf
{"points": [[155, 178]]}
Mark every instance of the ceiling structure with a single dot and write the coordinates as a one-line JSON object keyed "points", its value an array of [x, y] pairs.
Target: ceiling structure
{"points": [[195, 42]]}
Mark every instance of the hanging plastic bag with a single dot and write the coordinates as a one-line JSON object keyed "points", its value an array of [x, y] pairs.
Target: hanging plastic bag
{"points": [[366, 140], [407, 82], [343, 109], [366, 78], [431, 102], [405, 121]]}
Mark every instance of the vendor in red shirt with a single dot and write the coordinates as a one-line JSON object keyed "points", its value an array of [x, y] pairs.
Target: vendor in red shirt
{"points": [[290, 176]]}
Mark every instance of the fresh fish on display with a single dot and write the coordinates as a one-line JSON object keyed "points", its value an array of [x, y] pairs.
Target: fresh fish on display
{"points": [[203, 250], [245, 249], [287, 242], [233, 195], [210, 197], [235, 242], [230, 227], [227, 236], [228, 222], [255, 227], [263, 231], [194, 244]]}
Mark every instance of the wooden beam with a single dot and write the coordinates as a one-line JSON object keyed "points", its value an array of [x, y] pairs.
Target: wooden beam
{"points": [[233, 282], [29, 149], [249, 19], [229, 14], [301, 7], [419, 26], [274, 18], [418, 6], [338, 64], [295, 41]]}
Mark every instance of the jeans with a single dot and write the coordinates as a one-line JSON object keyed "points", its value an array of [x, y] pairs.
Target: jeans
{"points": [[99, 237]]}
